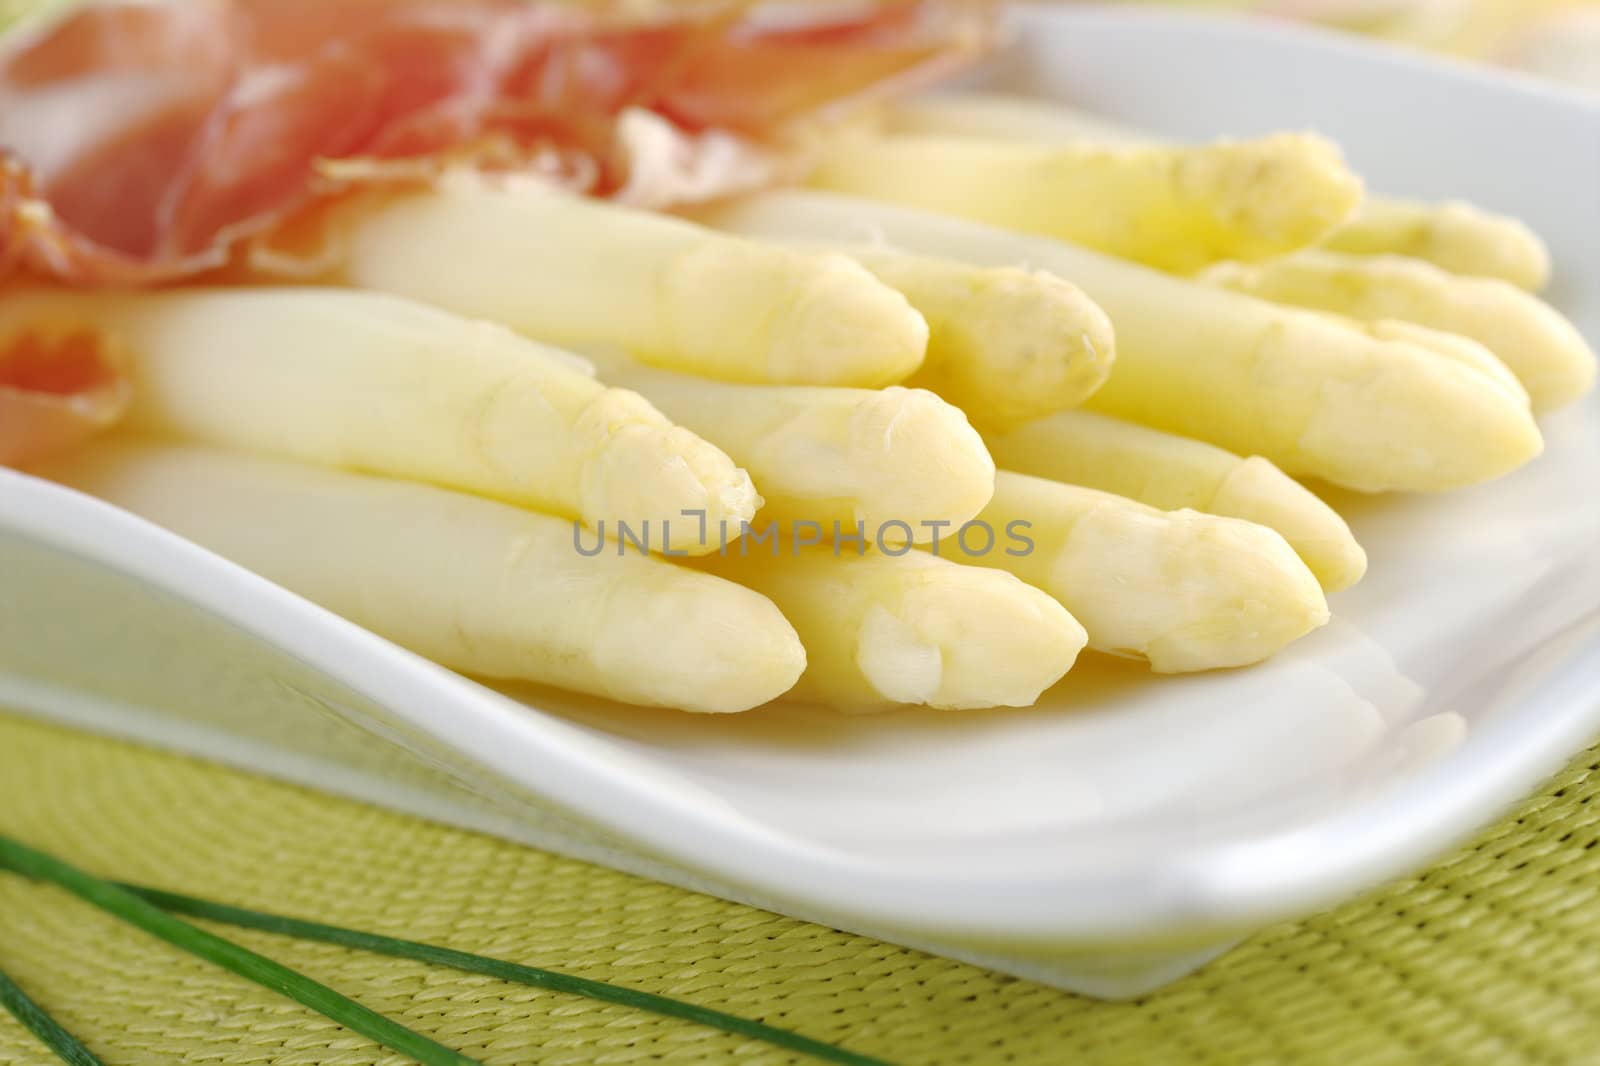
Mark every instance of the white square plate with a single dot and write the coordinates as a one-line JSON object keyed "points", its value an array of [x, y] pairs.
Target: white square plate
{"points": [[1107, 841]]}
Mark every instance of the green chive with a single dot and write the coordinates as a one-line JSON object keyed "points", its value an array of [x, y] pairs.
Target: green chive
{"points": [[505, 971], [49, 1032], [230, 956]]}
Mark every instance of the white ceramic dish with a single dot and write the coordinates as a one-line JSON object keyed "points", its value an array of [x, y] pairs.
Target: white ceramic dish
{"points": [[1108, 841]]}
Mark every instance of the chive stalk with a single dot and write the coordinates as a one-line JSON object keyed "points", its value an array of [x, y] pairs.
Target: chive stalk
{"points": [[137, 912], [50, 1033], [152, 910], [505, 971]]}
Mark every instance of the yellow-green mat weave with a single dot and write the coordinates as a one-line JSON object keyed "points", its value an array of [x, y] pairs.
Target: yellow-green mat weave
{"points": [[1491, 957]]}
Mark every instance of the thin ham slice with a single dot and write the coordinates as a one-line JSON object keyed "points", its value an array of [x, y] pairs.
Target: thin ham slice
{"points": [[203, 125], [55, 389], [144, 143]]}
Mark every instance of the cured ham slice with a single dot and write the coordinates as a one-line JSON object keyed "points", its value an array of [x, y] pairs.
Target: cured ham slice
{"points": [[144, 143], [55, 389]]}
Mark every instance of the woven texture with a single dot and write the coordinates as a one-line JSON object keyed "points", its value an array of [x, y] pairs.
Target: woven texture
{"points": [[1491, 957]]}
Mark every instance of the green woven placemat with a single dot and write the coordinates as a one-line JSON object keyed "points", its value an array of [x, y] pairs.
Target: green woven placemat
{"points": [[1491, 957]]}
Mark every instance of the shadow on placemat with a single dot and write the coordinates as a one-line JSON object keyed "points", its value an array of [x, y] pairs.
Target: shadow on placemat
{"points": [[1491, 957]]}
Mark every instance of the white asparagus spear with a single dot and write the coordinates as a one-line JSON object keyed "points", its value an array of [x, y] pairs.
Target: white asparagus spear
{"points": [[1315, 397], [1185, 590], [1021, 118], [372, 382], [1172, 207], [830, 455], [1545, 351], [573, 271], [1175, 473], [1456, 236], [478, 586], [1453, 346], [881, 630], [1004, 344]]}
